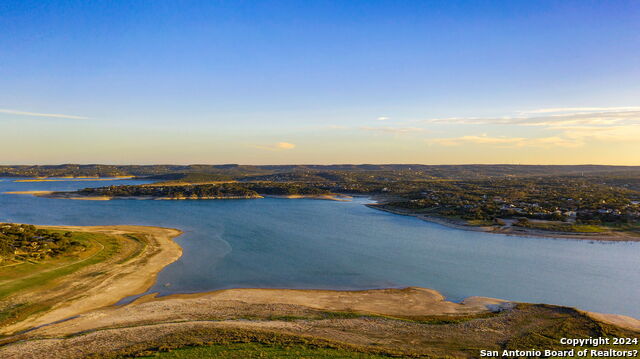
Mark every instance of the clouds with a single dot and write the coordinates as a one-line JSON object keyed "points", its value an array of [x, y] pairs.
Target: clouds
{"points": [[582, 109], [285, 146], [555, 117], [562, 127], [506, 142], [482, 139], [394, 130], [567, 127], [280, 146], [380, 130], [37, 114]]}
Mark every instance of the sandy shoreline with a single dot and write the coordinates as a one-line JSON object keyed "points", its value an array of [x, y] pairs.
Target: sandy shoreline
{"points": [[74, 196], [412, 302], [51, 194], [396, 318], [523, 232], [75, 179], [329, 197], [33, 193]]}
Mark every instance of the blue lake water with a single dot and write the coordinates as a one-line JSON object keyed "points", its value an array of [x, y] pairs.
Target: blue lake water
{"points": [[303, 243]]}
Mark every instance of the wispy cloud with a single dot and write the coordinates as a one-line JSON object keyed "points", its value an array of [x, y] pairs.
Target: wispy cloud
{"points": [[482, 139], [38, 114], [552, 117], [581, 109], [277, 146], [568, 126], [285, 145], [380, 129], [383, 118], [394, 130], [506, 142], [617, 134]]}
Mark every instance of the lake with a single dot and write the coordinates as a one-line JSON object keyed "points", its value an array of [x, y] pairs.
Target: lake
{"points": [[305, 243]]}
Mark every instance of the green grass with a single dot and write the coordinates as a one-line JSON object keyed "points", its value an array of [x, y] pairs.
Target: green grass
{"points": [[256, 350], [588, 228], [141, 247], [528, 326], [480, 222], [42, 276], [36, 276], [564, 227]]}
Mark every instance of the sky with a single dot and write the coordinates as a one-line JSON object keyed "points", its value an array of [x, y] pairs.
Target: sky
{"points": [[320, 82]]}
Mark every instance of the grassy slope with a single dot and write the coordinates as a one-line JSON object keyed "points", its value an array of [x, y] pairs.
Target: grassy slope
{"points": [[526, 327], [42, 275], [566, 227], [255, 350], [30, 275]]}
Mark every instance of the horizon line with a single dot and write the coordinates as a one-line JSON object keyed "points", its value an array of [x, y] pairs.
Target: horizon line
{"points": [[311, 164]]}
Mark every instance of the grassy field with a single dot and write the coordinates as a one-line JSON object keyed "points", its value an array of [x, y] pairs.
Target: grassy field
{"points": [[29, 277], [32, 275], [256, 350], [564, 227]]}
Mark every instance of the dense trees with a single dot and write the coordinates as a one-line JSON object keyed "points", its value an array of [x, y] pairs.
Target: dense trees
{"points": [[550, 198], [318, 173], [223, 190], [23, 241], [204, 191]]}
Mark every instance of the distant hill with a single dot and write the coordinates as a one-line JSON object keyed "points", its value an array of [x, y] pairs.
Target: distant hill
{"points": [[312, 172]]}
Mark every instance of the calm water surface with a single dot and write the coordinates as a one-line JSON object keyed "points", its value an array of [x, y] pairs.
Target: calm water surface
{"points": [[301, 243]]}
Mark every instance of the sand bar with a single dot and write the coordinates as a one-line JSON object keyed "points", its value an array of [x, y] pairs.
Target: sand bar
{"points": [[33, 193]]}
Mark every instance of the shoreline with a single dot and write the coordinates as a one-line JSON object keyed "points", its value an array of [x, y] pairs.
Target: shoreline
{"points": [[393, 319], [405, 303], [75, 179], [522, 232], [330, 197], [409, 303], [118, 280], [75, 196]]}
